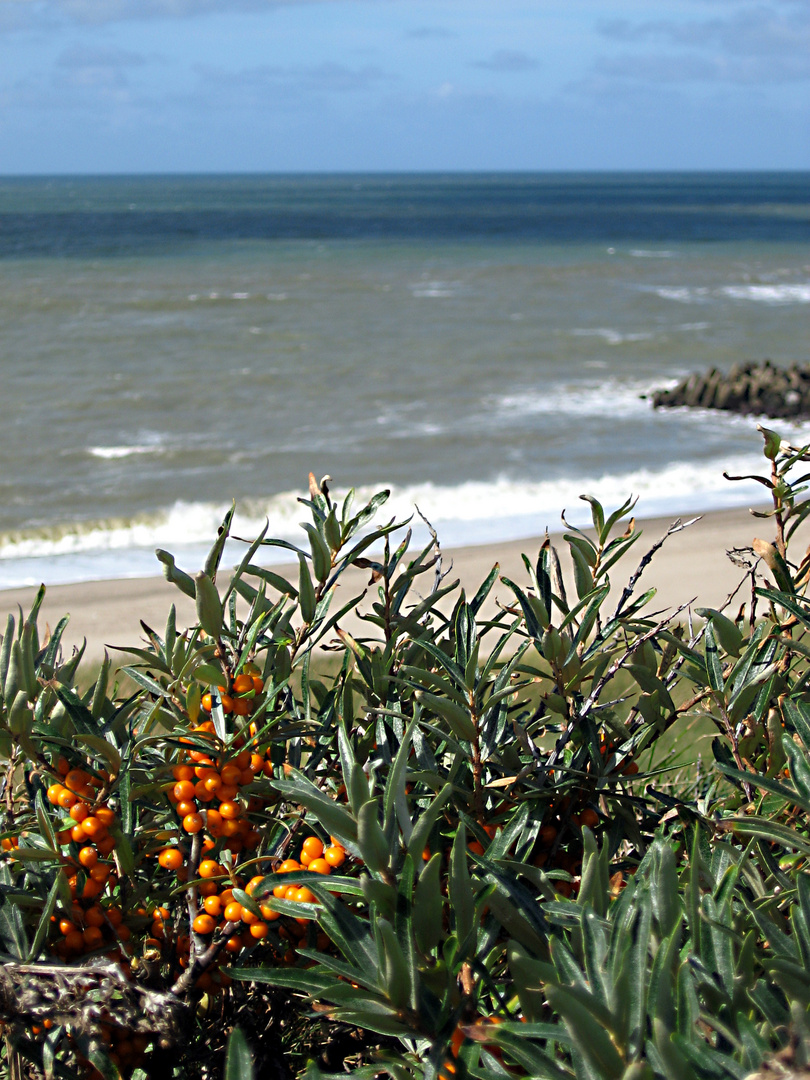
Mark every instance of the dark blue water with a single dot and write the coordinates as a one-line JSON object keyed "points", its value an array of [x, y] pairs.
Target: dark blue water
{"points": [[90, 217]]}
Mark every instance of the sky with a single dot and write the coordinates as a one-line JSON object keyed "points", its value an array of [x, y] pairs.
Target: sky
{"points": [[111, 86]]}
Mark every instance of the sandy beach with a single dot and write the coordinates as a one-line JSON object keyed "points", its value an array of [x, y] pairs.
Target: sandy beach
{"points": [[692, 565]]}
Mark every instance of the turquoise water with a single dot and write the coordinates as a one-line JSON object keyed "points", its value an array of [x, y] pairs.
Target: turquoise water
{"points": [[479, 344]]}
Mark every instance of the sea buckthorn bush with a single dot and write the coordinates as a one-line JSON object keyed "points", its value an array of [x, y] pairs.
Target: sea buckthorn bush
{"points": [[451, 843]]}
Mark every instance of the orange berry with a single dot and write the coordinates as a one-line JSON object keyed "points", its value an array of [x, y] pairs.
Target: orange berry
{"points": [[94, 916], [233, 945], [100, 873], [313, 847], [242, 684], [230, 774], [335, 855], [304, 895], [192, 823], [62, 766], [79, 811], [207, 702], [94, 827], [76, 779], [258, 684], [115, 916], [93, 937], [242, 706], [233, 912], [66, 926], [213, 905], [183, 789], [105, 815], [320, 866], [288, 866], [105, 845], [203, 924], [259, 930], [203, 793], [268, 912], [182, 772], [210, 868], [227, 703], [75, 941], [230, 810], [187, 806], [66, 798], [171, 858]]}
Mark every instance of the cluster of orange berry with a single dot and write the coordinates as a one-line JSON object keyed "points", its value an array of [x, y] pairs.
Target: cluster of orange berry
{"points": [[205, 794], [88, 833], [239, 697]]}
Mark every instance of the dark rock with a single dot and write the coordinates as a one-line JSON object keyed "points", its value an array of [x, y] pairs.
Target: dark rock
{"points": [[748, 389]]}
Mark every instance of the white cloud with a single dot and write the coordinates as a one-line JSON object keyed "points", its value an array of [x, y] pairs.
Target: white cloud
{"points": [[751, 45]]}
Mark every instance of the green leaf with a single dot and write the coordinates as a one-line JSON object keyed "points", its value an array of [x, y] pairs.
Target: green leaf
{"points": [[587, 1034], [306, 591], [714, 666], [462, 897], [727, 632], [371, 840], [424, 825], [44, 924], [215, 554], [457, 717], [210, 614], [103, 748], [427, 906], [321, 556], [12, 926], [175, 575], [238, 1058], [334, 818]]}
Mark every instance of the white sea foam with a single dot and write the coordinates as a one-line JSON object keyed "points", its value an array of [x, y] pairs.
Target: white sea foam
{"points": [[613, 337], [680, 293], [642, 254], [112, 452], [433, 289], [769, 294], [798, 293], [605, 398], [467, 513]]}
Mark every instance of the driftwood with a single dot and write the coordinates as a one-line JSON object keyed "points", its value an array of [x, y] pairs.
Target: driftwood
{"points": [[85, 998]]}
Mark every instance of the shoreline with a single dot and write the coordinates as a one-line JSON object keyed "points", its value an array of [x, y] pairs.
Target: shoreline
{"points": [[691, 566]]}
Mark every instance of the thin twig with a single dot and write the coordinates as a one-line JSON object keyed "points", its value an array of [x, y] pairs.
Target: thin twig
{"points": [[627, 592]]}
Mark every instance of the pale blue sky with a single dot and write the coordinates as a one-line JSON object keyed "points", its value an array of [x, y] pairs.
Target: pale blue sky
{"points": [[234, 85]]}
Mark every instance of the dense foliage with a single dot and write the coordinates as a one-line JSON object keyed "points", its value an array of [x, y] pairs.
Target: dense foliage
{"points": [[453, 845]]}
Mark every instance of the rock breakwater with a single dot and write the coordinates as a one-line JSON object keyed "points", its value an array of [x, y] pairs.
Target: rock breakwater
{"points": [[750, 390]]}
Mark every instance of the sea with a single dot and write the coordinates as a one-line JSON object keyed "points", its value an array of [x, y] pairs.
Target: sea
{"points": [[483, 345]]}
